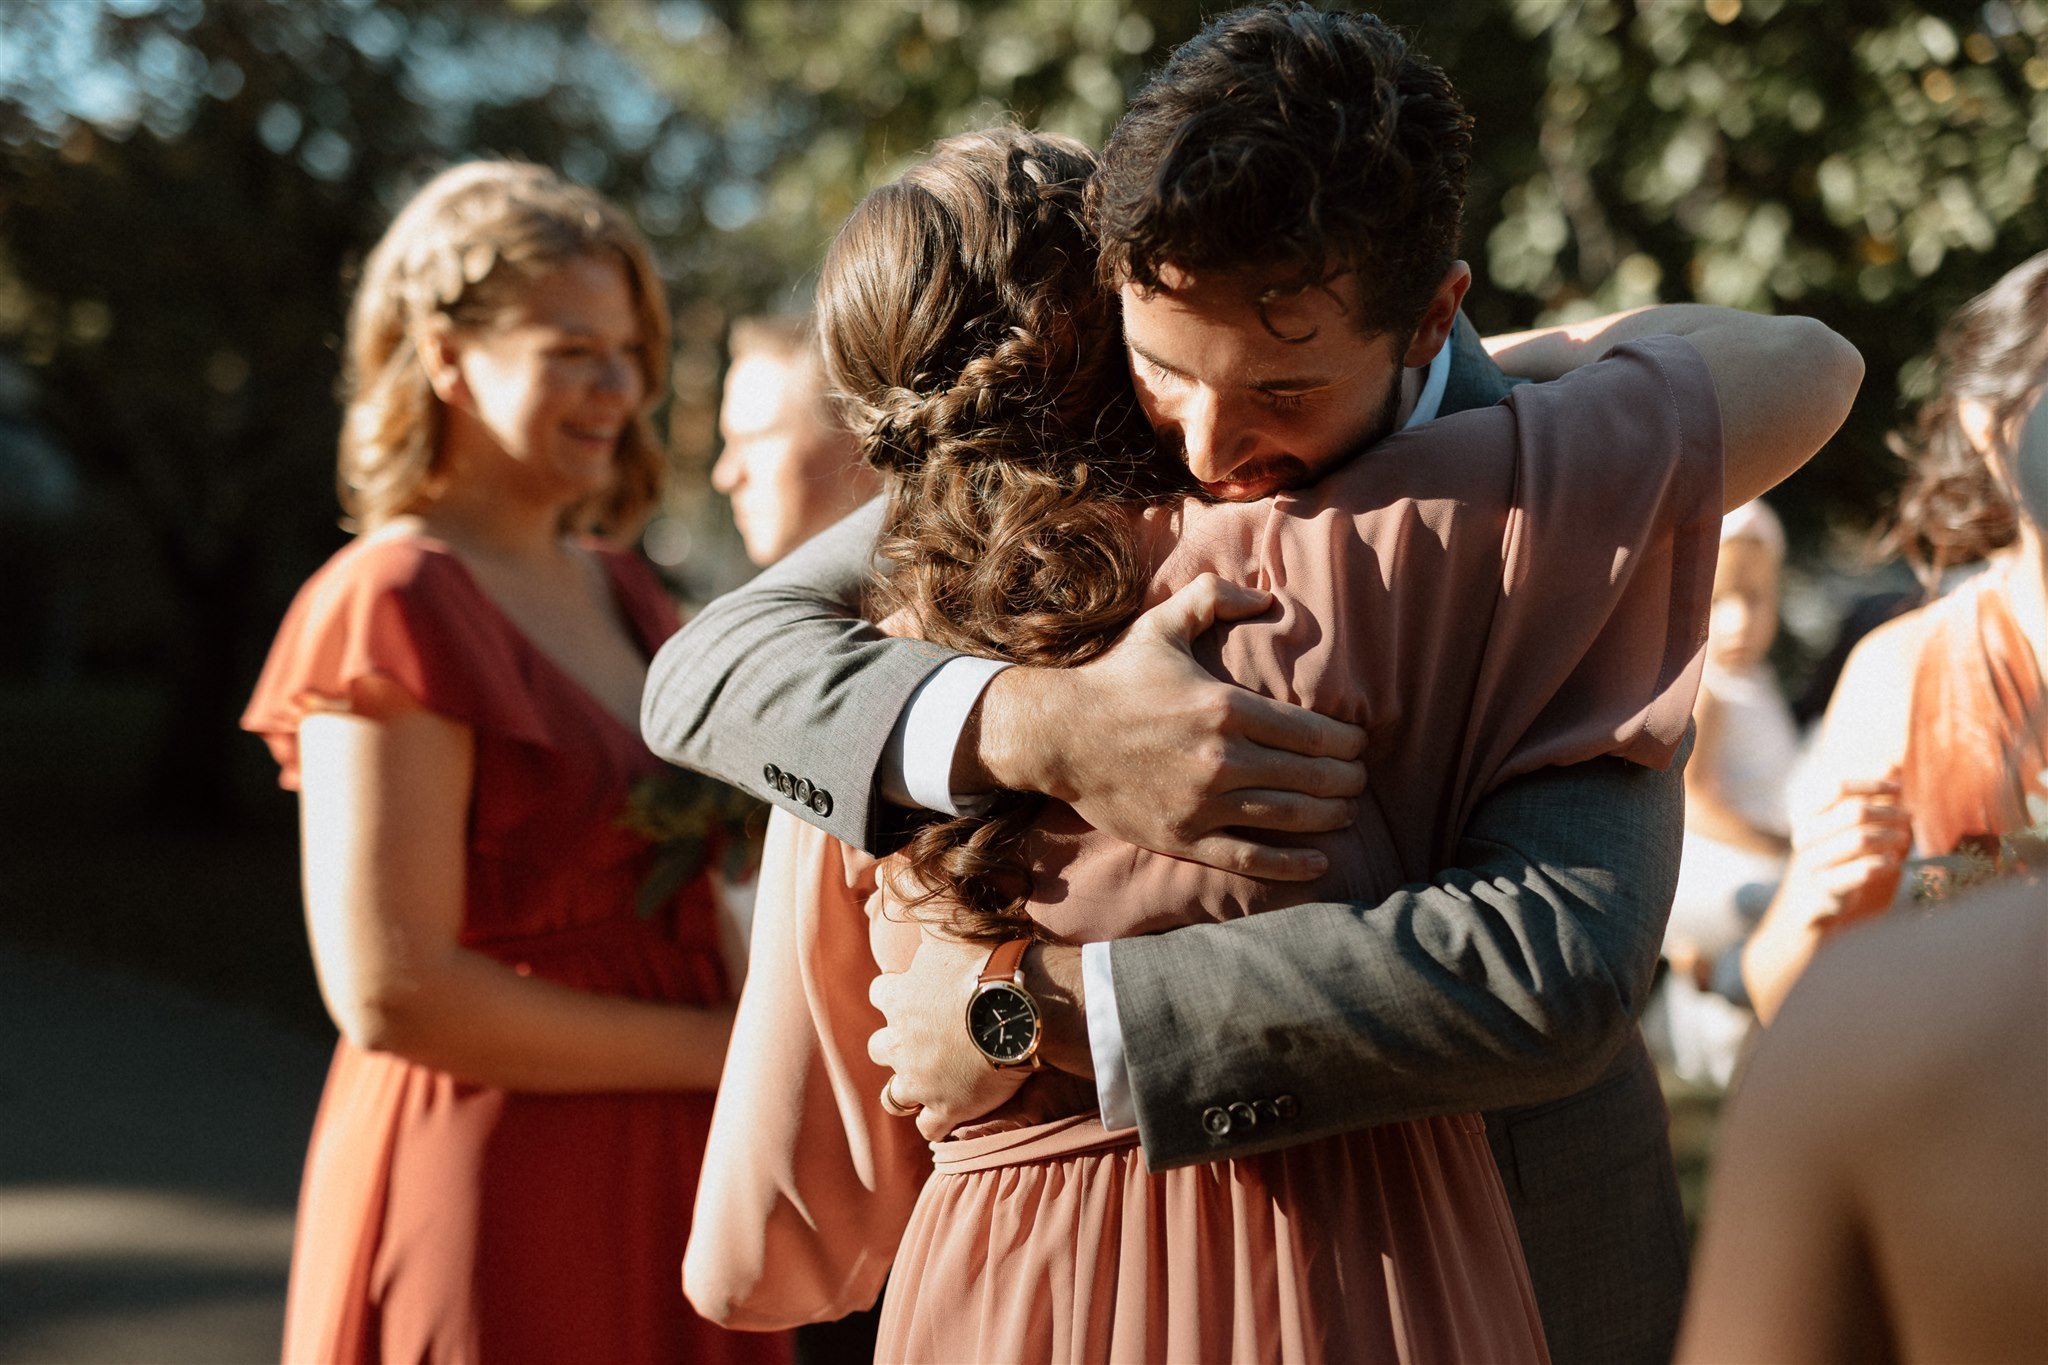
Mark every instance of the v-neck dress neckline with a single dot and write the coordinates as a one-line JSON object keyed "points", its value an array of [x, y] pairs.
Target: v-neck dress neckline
{"points": [[647, 636]]}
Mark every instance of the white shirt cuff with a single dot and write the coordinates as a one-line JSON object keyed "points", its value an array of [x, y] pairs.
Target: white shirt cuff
{"points": [[1106, 1039], [917, 762]]}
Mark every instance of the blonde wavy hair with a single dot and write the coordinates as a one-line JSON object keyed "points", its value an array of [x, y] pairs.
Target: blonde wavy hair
{"points": [[460, 252]]}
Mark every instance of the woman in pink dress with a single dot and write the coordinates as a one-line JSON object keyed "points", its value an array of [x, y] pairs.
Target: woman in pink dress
{"points": [[510, 1137], [1501, 590]]}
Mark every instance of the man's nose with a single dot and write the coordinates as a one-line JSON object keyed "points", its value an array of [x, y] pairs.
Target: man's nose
{"points": [[620, 374], [725, 475], [1211, 439]]}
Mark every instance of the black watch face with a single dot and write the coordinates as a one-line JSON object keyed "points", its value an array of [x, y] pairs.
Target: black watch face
{"points": [[1003, 1022]]}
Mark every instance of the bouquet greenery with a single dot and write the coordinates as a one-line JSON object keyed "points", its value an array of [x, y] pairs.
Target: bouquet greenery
{"points": [[1985, 858], [694, 822]]}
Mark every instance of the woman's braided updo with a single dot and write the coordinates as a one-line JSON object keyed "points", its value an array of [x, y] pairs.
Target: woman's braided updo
{"points": [[983, 370]]}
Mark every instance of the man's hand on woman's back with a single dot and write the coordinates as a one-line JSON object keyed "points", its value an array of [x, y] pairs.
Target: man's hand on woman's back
{"points": [[1150, 747]]}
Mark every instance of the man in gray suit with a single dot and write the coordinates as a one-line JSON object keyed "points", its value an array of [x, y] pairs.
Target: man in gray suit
{"points": [[1510, 985]]}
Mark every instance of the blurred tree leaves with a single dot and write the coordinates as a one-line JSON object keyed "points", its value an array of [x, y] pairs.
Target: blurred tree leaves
{"points": [[812, 103], [183, 184], [185, 187], [1873, 162]]}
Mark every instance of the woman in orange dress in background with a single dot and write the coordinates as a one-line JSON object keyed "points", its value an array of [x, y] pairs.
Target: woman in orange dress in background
{"points": [[509, 1141], [1491, 593], [1936, 738]]}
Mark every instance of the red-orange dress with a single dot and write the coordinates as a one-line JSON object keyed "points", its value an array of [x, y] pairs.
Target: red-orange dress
{"points": [[441, 1220]]}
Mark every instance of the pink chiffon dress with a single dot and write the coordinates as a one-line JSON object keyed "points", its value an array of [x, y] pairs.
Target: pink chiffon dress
{"points": [[1490, 593], [439, 1219]]}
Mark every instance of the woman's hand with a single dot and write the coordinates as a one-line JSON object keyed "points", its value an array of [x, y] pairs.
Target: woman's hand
{"points": [[1848, 856], [936, 1067], [1847, 859]]}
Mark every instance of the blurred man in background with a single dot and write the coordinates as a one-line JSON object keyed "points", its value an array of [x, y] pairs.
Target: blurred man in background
{"points": [[791, 470], [789, 467]]}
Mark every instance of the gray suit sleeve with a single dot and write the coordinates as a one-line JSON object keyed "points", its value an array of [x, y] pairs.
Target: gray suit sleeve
{"points": [[781, 690], [1510, 981]]}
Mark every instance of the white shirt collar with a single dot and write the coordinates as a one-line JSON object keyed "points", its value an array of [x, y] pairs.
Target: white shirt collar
{"points": [[1435, 376]]}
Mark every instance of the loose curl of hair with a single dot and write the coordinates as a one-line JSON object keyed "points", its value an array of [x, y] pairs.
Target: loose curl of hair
{"points": [[1285, 135], [459, 254], [983, 370], [1953, 508]]}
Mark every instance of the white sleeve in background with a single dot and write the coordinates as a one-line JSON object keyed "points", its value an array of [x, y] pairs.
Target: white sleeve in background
{"points": [[917, 762], [1106, 1039]]}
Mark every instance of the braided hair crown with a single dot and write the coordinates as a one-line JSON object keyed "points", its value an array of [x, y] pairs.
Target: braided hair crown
{"points": [[957, 305], [981, 367]]}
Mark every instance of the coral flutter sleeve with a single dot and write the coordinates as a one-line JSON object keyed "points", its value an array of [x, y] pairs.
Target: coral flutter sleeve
{"points": [[403, 612], [807, 1183]]}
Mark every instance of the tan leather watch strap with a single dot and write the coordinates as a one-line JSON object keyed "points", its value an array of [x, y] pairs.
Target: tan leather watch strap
{"points": [[1004, 960]]}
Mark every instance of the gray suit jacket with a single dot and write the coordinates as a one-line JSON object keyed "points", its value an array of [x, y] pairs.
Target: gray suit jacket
{"points": [[1511, 985]]}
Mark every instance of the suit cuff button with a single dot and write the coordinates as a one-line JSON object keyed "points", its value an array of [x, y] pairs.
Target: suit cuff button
{"points": [[1244, 1114], [772, 775], [1215, 1122], [821, 803], [1286, 1106]]}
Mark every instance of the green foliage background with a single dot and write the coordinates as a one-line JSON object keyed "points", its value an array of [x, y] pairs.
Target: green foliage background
{"points": [[184, 186]]}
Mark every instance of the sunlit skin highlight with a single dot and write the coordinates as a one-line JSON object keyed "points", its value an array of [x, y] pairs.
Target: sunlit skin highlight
{"points": [[789, 472]]}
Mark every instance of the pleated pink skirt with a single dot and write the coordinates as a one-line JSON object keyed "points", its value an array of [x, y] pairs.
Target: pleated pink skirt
{"points": [[1053, 1243]]}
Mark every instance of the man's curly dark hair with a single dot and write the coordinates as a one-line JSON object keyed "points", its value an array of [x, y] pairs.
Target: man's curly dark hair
{"points": [[1284, 137]]}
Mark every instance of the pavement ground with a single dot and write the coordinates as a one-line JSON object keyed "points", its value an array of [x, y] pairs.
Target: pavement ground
{"points": [[150, 1146]]}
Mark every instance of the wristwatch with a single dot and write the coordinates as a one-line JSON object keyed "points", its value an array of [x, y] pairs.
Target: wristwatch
{"points": [[1002, 1018]]}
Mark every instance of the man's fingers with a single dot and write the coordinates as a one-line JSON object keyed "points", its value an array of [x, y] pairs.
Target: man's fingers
{"points": [[1295, 730], [1242, 856], [1235, 601], [882, 1048], [1289, 812], [1249, 767], [1199, 605]]}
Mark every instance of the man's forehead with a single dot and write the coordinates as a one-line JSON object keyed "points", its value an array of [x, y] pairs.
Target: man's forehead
{"points": [[1276, 329], [1274, 287], [763, 389]]}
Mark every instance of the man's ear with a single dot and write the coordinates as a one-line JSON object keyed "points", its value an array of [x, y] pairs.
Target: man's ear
{"points": [[1441, 315], [441, 357]]}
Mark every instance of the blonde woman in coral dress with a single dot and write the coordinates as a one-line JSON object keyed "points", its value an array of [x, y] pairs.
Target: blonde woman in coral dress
{"points": [[508, 1145], [1497, 591]]}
